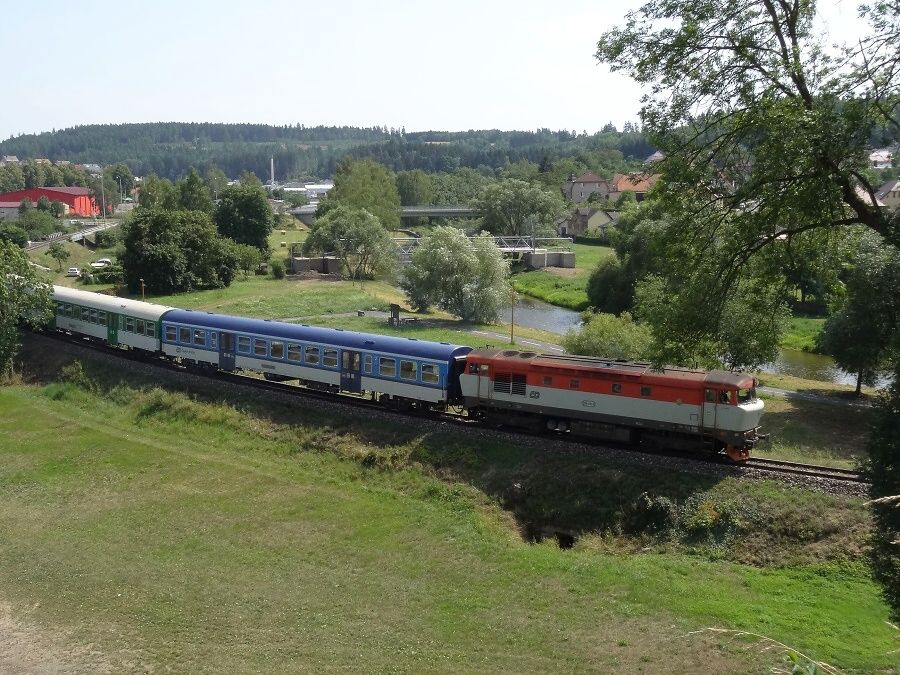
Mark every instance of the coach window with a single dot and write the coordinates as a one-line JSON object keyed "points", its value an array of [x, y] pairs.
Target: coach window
{"points": [[330, 358], [101, 318], [277, 350], [214, 341], [367, 363], [93, 316], [408, 370], [60, 308], [139, 326], [617, 388], [200, 338], [312, 355], [293, 352], [129, 325], [85, 314], [574, 384], [430, 373], [171, 334], [184, 335], [150, 329], [243, 344], [645, 391], [68, 310], [387, 367], [259, 347]]}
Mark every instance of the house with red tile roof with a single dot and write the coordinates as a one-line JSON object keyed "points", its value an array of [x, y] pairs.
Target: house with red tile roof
{"points": [[637, 183]]}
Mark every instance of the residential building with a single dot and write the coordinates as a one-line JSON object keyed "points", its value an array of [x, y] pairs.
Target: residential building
{"points": [[889, 194], [587, 220], [10, 210], [8, 159], [881, 158], [637, 183], [77, 199], [581, 188]]}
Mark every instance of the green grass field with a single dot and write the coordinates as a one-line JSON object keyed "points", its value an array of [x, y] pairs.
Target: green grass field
{"points": [[145, 530], [801, 333], [564, 288]]}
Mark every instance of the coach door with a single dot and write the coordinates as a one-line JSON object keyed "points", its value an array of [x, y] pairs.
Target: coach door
{"points": [[112, 328], [350, 376], [226, 351]]}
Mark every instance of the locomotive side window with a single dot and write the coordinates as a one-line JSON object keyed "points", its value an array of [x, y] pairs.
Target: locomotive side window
{"points": [[171, 334], [430, 373], [277, 349], [408, 370], [243, 344], [184, 335], [548, 381], [725, 397], [312, 355], [645, 391], [574, 384], [473, 369], [200, 338], [746, 395], [293, 352], [710, 396], [330, 358], [387, 367], [259, 347], [616, 388]]}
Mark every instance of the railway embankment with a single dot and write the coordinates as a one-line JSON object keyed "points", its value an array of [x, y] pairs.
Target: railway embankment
{"points": [[189, 519]]}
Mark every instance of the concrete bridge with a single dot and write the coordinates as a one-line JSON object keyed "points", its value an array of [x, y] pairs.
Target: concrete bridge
{"points": [[307, 213]]}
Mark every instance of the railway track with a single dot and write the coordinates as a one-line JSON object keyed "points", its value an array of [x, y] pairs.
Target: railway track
{"points": [[769, 465]]}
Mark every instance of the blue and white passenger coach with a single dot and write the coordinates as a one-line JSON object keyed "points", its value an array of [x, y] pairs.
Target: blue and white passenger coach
{"points": [[335, 359]]}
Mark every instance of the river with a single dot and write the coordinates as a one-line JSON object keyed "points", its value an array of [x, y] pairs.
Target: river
{"points": [[537, 314]]}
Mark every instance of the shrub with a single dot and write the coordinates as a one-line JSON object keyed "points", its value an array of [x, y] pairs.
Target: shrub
{"points": [[278, 270]]}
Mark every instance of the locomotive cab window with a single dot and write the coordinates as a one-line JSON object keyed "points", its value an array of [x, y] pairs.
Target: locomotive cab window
{"points": [[184, 335], [725, 397], [430, 373], [312, 355], [616, 388], [243, 344], [171, 334], [710, 396], [645, 391], [277, 350], [259, 347], [408, 370], [330, 358], [746, 395]]}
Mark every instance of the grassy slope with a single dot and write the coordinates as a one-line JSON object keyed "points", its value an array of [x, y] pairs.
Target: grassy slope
{"points": [[564, 291], [170, 532]]}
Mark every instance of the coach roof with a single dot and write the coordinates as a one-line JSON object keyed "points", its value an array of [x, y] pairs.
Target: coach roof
{"points": [[366, 342]]}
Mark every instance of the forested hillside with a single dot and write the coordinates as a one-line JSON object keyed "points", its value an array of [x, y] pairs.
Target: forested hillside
{"points": [[169, 149]]}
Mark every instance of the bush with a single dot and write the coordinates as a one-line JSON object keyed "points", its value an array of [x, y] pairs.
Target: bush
{"points": [[278, 269], [652, 514]]}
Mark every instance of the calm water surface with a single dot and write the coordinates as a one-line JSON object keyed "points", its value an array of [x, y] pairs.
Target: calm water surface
{"points": [[536, 314]]}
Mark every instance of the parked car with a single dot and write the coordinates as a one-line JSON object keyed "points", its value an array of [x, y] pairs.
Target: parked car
{"points": [[73, 272], [100, 264]]}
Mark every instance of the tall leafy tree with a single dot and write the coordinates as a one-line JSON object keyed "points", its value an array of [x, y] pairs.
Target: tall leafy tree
{"points": [[59, 253], [23, 299], [414, 188], [466, 277], [356, 237], [193, 193], [215, 180], [364, 184], [609, 336], [244, 215], [158, 193], [514, 207], [175, 251]]}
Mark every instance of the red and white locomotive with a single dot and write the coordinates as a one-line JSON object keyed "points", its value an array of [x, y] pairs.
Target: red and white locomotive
{"points": [[615, 400]]}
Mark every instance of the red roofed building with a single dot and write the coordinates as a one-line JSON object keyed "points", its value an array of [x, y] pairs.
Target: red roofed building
{"points": [[78, 199], [637, 183]]}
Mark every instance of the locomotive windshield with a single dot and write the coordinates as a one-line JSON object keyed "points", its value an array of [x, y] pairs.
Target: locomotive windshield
{"points": [[746, 395]]}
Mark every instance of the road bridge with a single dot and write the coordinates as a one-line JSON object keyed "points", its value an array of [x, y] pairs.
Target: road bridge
{"points": [[307, 212]]}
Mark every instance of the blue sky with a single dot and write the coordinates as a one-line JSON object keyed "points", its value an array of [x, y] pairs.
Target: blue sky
{"points": [[420, 64]]}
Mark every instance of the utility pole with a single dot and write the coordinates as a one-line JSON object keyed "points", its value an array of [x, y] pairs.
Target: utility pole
{"points": [[102, 196], [512, 316]]}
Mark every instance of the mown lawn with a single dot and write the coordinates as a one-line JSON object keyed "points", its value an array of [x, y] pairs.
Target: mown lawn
{"points": [[143, 530], [564, 288]]}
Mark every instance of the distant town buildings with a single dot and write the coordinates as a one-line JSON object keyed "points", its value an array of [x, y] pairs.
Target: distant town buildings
{"points": [[881, 158], [889, 194], [313, 191], [588, 221], [579, 189]]}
